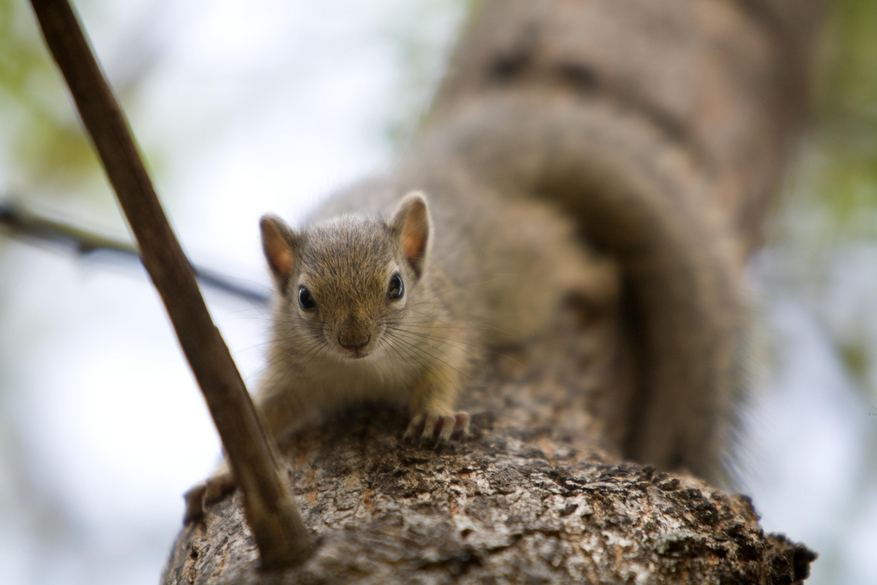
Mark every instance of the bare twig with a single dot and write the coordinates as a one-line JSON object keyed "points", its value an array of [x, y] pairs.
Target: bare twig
{"points": [[271, 513], [32, 226]]}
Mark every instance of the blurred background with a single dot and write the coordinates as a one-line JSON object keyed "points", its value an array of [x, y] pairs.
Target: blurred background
{"points": [[269, 105]]}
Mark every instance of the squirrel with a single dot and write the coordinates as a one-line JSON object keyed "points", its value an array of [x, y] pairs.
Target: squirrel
{"points": [[398, 306], [395, 296], [395, 286]]}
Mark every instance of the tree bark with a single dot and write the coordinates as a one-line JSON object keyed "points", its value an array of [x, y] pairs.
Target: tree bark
{"points": [[540, 492], [529, 498]]}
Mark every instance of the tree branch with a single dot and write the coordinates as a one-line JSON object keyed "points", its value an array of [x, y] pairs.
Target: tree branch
{"points": [[529, 498], [32, 226], [271, 513]]}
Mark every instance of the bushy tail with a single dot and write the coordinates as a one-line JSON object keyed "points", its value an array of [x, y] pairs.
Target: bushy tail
{"points": [[640, 197]]}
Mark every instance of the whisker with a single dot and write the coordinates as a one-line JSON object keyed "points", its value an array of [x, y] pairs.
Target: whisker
{"points": [[434, 357]]}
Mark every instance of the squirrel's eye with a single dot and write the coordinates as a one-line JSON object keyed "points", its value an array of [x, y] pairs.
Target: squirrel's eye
{"points": [[397, 289], [306, 299]]}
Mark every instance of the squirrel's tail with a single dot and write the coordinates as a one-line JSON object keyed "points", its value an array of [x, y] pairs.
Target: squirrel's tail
{"points": [[642, 198]]}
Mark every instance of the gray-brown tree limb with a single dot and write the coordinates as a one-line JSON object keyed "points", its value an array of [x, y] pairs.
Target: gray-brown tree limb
{"points": [[270, 510], [530, 498], [705, 91], [37, 228]]}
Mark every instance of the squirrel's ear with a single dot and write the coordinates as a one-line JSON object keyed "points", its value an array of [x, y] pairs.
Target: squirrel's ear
{"points": [[278, 241], [412, 226]]}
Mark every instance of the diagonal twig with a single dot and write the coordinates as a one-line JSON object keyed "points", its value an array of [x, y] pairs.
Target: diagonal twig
{"points": [[32, 226], [271, 513]]}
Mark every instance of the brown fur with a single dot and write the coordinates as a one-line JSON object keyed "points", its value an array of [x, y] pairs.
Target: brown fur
{"points": [[495, 265]]}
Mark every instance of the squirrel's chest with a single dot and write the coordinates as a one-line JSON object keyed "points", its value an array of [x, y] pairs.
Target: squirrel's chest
{"points": [[341, 382]]}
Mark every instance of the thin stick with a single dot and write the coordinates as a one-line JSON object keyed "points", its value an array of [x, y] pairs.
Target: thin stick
{"points": [[273, 517], [33, 226]]}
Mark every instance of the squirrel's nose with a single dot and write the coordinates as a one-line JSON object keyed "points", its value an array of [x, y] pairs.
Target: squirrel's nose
{"points": [[354, 340]]}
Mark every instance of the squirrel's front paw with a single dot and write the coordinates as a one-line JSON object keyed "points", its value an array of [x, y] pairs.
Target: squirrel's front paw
{"points": [[426, 425], [206, 493]]}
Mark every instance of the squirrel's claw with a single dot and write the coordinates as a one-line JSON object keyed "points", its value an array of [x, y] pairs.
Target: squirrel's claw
{"points": [[205, 494], [426, 425], [429, 425], [414, 427], [195, 503]]}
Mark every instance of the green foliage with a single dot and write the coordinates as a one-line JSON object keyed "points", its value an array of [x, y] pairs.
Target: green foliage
{"points": [[847, 116], [849, 86], [855, 360], [43, 136]]}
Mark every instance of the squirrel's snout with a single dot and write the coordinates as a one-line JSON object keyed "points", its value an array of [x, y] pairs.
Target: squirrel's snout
{"points": [[354, 339]]}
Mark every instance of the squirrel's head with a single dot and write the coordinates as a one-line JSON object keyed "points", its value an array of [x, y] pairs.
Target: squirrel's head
{"points": [[346, 282]]}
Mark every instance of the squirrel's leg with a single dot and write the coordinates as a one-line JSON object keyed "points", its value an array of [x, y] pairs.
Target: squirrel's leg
{"points": [[276, 416], [432, 406], [208, 492]]}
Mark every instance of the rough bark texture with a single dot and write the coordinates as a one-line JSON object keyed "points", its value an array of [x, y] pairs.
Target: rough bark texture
{"points": [[538, 494], [529, 499]]}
